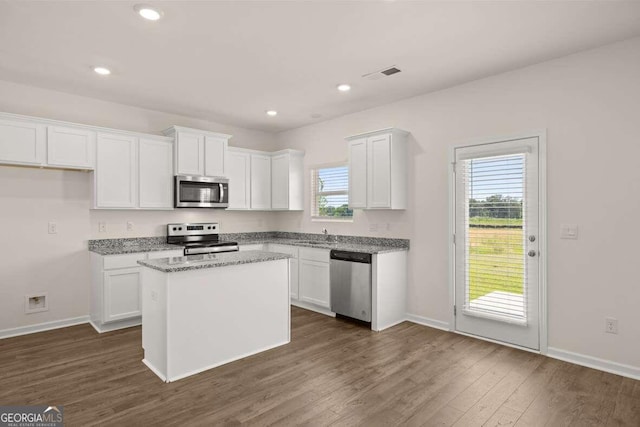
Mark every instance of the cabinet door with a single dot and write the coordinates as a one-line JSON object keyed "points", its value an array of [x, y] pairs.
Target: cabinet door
{"points": [[22, 142], [294, 277], [121, 294], [71, 147], [314, 283], [379, 173], [215, 150], [190, 154], [280, 182], [260, 181], [239, 174], [358, 173], [155, 174], [116, 174]]}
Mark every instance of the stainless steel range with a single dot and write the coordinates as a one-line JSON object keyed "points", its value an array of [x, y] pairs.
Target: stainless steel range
{"points": [[201, 238]]}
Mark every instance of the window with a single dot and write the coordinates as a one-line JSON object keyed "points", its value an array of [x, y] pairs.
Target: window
{"points": [[330, 193]]}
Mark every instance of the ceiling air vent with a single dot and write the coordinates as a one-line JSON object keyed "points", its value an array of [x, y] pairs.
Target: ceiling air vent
{"points": [[389, 71]]}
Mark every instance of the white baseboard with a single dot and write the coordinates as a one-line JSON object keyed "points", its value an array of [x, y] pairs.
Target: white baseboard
{"points": [[425, 321], [108, 327], [595, 363], [215, 365], [154, 370], [41, 327], [312, 307]]}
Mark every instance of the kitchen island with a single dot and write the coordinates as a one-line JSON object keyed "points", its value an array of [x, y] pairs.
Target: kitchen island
{"points": [[202, 311]]}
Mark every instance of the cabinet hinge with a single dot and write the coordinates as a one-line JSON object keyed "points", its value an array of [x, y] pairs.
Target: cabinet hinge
{"points": [[454, 310], [453, 165], [454, 238]]}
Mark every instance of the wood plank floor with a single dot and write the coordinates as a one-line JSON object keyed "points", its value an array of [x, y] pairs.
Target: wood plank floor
{"points": [[332, 373]]}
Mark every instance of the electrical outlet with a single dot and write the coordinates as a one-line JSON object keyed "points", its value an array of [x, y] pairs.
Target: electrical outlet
{"points": [[53, 228], [611, 325], [129, 226], [569, 231], [373, 227], [102, 227]]}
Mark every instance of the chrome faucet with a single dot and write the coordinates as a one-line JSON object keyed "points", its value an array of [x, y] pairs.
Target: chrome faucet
{"points": [[330, 238]]}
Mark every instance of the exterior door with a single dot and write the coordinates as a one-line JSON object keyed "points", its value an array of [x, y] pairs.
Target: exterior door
{"points": [[497, 290]]}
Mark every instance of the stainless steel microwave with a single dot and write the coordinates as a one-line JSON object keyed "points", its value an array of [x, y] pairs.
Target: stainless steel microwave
{"points": [[201, 192]]}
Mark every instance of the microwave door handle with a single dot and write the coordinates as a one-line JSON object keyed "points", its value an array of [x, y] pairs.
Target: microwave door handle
{"points": [[221, 191]]}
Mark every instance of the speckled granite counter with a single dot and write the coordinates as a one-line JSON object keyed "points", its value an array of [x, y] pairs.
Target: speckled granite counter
{"points": [[370, 245], [343, 246], [196, 262], [364, 244], [131, 245]]}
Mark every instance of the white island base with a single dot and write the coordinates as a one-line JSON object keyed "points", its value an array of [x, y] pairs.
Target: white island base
{"points": [[198, 319]]}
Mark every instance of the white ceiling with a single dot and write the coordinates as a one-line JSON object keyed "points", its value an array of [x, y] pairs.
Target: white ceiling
{"points": [[231, 61]]}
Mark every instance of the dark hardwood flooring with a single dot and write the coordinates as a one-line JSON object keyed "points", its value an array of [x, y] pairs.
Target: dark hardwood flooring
{"points": [[332, 373]]}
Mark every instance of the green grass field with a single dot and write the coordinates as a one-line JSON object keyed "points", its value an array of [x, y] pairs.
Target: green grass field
{"points": [[496, 259], [481, 220]]}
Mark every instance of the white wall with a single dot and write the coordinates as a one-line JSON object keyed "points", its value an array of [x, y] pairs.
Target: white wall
{"points": [[590, 104], [33, 260]]}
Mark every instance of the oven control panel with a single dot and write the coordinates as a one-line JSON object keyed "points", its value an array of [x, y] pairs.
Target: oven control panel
{"points": [[192, 229]]}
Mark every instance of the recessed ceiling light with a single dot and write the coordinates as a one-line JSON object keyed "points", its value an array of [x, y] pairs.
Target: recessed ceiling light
{"points": [[148, 12], [102, 71], [344, 87], [271, 113]]}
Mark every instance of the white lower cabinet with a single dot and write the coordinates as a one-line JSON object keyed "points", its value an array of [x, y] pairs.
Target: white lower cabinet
{"points": [[115, 289], [308, 276], [293, 265], [314, 283], [294, 278], [121, 294]]}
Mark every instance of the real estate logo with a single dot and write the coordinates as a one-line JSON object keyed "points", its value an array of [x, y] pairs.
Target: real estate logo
{"points": [[31, 416]]}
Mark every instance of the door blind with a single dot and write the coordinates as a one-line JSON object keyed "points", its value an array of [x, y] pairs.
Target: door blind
{"points": [[494, 224]]}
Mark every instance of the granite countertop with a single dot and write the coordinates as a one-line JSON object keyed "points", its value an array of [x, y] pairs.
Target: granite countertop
{"points": [[343, 246], [132, 249], [197, 262], [370, 245]]}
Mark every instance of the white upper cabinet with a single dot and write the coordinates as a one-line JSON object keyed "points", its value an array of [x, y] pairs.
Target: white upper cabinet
{"points": [[239, 174], [358, 173], [260, 181], [71, 147], [155, 174], [133, 173], [198, 152], [378, 170], [189, 154], [287, 180], [116, 171], [215, 151], [22, 142]]}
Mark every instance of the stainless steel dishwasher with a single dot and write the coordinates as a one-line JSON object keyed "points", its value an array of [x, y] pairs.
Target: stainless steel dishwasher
{"points": [[350, 274]]}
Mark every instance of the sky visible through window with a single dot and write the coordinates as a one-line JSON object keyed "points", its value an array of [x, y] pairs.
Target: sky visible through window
{"points": [[496, 175], [334, 179]]}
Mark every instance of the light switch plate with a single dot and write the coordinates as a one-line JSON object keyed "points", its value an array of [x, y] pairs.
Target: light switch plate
{"points": [[569, 231]]}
